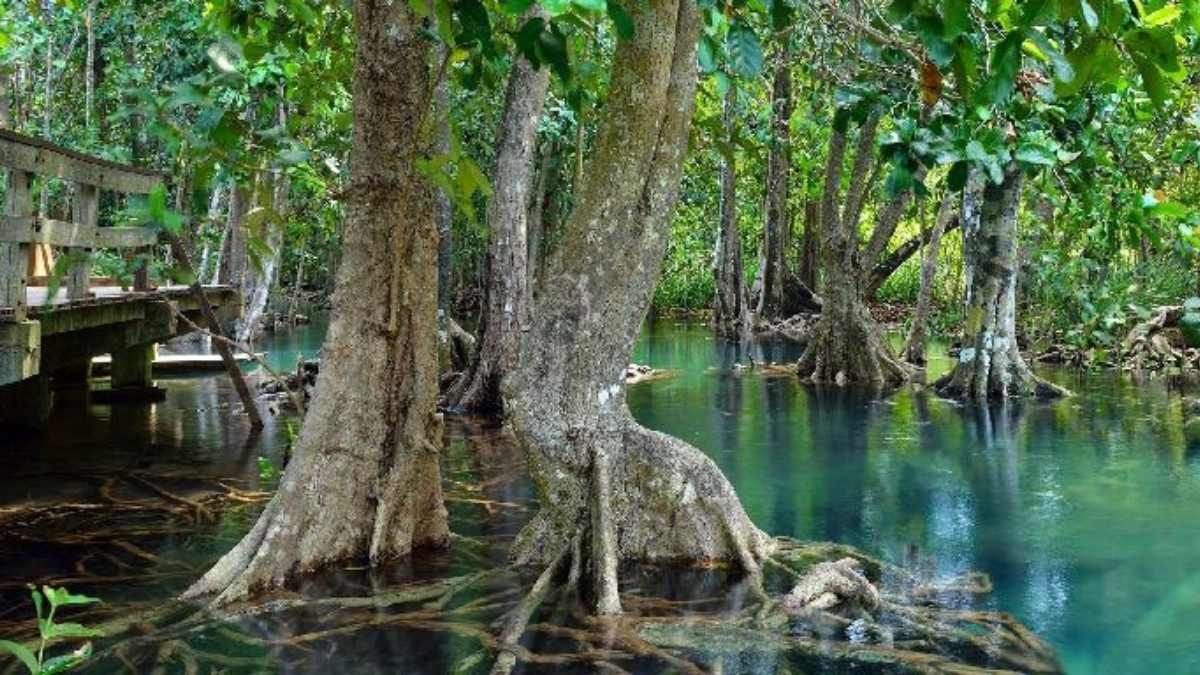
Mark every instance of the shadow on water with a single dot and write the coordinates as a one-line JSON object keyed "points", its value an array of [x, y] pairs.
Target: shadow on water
{"points": [[1083, 513]]}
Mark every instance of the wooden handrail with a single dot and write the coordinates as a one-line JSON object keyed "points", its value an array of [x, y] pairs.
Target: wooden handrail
{"points": [[34, 230], [39, 156]]}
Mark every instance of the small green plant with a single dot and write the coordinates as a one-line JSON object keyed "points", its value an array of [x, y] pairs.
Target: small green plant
{"points": [[266, 470], [52, 632]]}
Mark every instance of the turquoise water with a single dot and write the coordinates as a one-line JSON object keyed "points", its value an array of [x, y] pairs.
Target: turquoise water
{"points": [[1084, 512]]}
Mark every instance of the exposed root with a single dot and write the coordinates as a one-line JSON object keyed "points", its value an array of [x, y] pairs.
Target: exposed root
{"points": [[519, 619], [849, 349]]}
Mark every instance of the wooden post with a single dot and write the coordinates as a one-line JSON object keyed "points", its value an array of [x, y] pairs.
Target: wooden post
{"points": [[141, 278], [85, 209], [14, 256], [214, 326]]}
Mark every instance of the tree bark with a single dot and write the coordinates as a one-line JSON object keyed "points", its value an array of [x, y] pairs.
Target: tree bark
{"points": [[731, 311], [771, 301], [990, 366], [90, 76], [506, 290], [214, 211], [810, 250], [847, 346], [365, 477], [260, 278], [914, 344], [443, 208], [638, 494]]}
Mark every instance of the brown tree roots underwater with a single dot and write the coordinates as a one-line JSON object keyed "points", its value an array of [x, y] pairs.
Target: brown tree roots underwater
{"points": [[812, 607]]}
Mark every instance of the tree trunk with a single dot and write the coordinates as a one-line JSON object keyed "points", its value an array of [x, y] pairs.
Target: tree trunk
{"points": [[504, 309], [810, 250], [771, 301], [365, 477], [990, 366], [914, 345], [233, 250], [259, 278], [731, 312], [297, 285], [214, 212], [90, 75], [593, 465], [847, 346], [443, 209]]}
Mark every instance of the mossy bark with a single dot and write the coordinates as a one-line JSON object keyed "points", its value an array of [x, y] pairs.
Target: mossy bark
{"points": [[636, 493], [990, 365], [365, 480]]}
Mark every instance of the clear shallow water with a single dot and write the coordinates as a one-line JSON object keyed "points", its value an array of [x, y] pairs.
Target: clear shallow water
{"points": [[1084, 512]]}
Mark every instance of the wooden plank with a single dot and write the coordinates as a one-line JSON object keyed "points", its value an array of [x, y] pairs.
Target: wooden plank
{"points": [[85, 209], [35, 155], [32, 230], [14, 256]]}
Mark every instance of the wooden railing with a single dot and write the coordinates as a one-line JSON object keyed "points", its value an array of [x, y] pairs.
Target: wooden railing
{"points": [[22, 229]]}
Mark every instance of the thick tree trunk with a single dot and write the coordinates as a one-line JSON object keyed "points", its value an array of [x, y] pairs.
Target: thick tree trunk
{"points": [[504, 309], [537, 214], [847, 346], [731, 311], [771, 301], [365, 478], [631, 493], [990, 366], [914, 345]]}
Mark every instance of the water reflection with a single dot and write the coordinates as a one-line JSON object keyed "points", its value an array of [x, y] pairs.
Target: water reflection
{"points": [[1083, 512]]}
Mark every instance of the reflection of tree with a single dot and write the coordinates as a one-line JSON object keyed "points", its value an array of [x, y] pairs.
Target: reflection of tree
{"points": [[838, 426], [778, 394]]}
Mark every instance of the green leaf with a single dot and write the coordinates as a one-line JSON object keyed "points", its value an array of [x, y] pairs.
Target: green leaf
{"points": [[620, 19], [1157, 45], [71, 630], [23, 654], [957, 178], [1005, 61], [1164, 15], [552, 49], [899, 10], [1088, 13], [1037, 12], [956, 18], [745, 52], [515, 7], [1036, 155], [1156, 86], [556, 7], [61, 664], [590, 5], [781, 14], [527, 37], [1063, 70], [37, 599]]}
